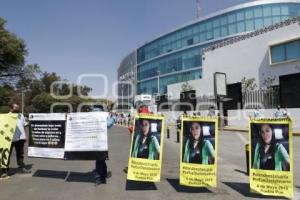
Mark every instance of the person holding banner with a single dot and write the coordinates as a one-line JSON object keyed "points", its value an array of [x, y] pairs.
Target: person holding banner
{"points": [[268, 153], [18, 141], [197, 149], [146, 144], [101, 167]]}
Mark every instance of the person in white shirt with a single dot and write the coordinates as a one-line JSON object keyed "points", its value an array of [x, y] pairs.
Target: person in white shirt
{"points": [[18, 140]]}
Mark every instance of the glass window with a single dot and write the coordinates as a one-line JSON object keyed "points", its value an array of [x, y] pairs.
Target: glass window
{"points": [[195, 29], [258, 12], [202, 37], [284, 10], [190, 31], [249, 25], [209, 35], [202, 27], [267, 21], [278, 53], [276, 20], [184, 33], [223, 20], [267, 11], [293, 50], [216, 22], [224, 31], [231, 29], [216, 32], [249, 14], [196, 38], [259, 23], [276, 10], [208, 25], [240, 27], [231, 18], [240, 16]]}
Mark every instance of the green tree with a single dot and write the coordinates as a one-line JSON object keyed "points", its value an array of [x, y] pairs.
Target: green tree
{"points": [[186, 87], [12, 53], [248, 84]]}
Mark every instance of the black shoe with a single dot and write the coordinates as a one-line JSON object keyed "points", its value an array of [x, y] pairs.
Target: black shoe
{"points": [[125, 170], [100, 181], [24, 171]]}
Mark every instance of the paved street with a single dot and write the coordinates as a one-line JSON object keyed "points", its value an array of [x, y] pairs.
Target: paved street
{"points": [[48, 179]]}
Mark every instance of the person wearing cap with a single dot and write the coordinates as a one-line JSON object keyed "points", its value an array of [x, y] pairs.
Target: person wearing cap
{"points": [[101, 167], [269, 154]]}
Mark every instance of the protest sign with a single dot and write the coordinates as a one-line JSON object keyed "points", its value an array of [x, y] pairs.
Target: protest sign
{"points": [[146, 148], [47, 135], [271, 157], [86, 136], [199, 147]]}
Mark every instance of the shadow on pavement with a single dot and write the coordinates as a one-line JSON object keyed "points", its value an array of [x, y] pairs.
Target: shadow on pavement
{"points": [[180, 188], [81, 177], [140, 185], [13, 171], [244, 189], [240, 171], [50, 174]]}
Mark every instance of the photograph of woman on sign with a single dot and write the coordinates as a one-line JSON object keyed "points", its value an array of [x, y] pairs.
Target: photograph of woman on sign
{"points": [[146, 141], [270, 147], [198, 142]]}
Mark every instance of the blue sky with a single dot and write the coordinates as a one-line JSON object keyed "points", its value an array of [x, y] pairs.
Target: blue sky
{"points": [[73, 37]]}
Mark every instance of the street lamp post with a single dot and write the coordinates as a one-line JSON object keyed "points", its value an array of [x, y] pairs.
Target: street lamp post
{"points": [[158, 73], [122, 96]]}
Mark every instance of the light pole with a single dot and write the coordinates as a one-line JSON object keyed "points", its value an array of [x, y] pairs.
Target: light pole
{"points": [[158, 73], [22, 97], [122, 97]]}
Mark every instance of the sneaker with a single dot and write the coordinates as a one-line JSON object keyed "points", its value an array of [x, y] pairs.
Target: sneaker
{"points": [[4, 176], [24, 171], [125, 170]]}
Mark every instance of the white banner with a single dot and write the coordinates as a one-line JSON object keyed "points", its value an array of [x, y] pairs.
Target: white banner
{"points": [[86, 131]]}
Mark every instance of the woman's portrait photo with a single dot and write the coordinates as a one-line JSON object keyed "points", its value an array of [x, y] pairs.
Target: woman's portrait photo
{"points": [[270, 147], [198, 144], [146, 141]]}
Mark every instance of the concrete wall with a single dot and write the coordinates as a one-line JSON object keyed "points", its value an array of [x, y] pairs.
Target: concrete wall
{"points": [[250, 58], [247, 58], [240, 118]]}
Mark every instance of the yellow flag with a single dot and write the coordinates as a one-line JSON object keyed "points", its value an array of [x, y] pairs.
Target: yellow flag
{"points": [[7, 130]]}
